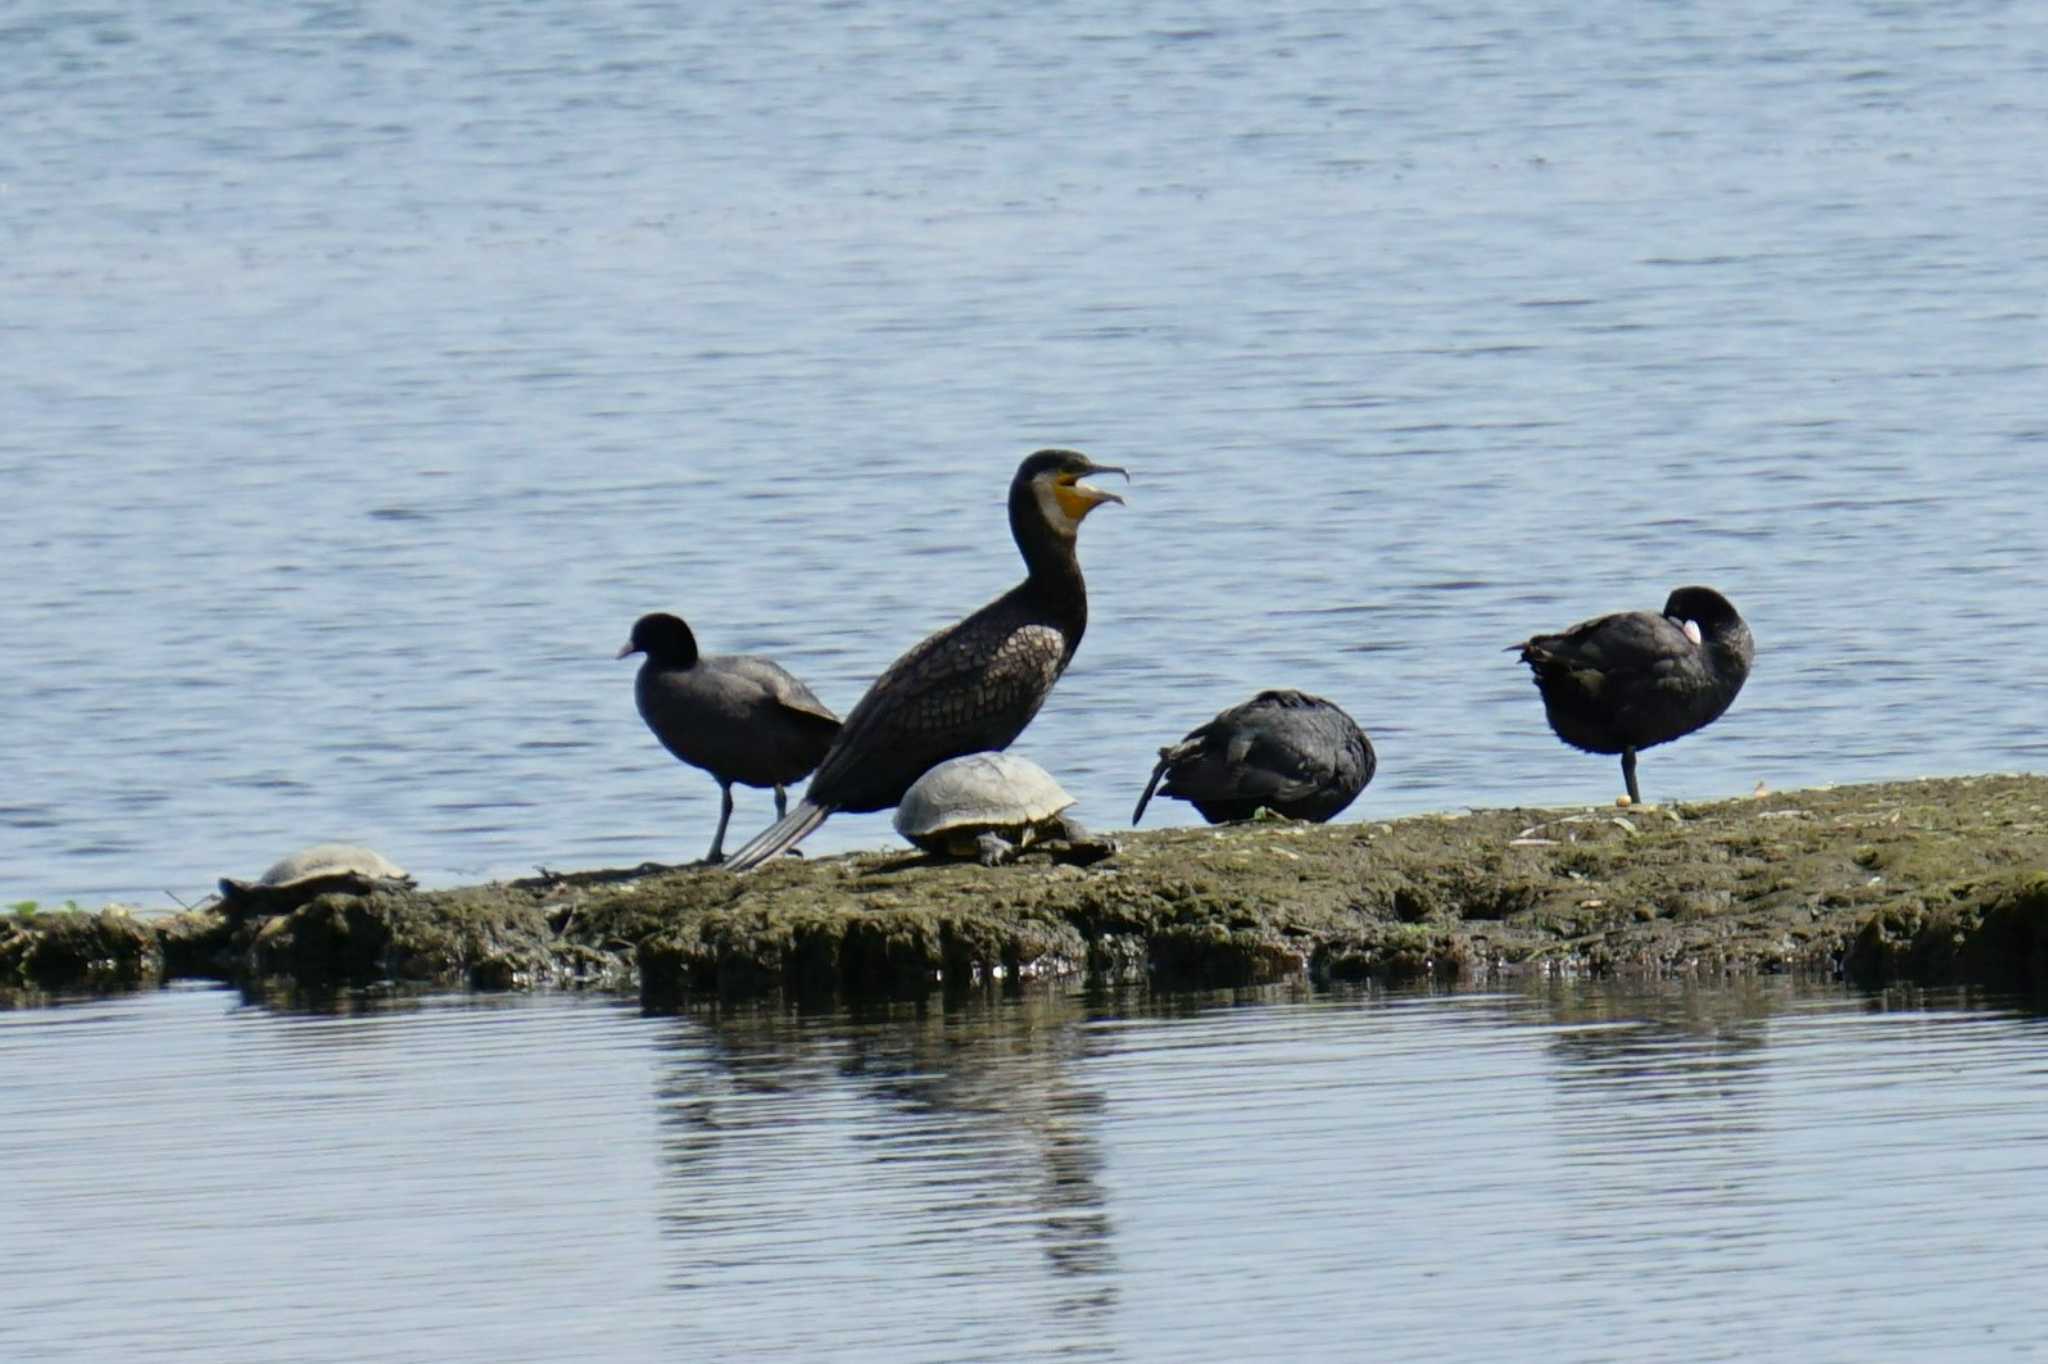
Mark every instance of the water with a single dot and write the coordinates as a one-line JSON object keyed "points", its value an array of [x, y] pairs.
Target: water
{"points": [[1571, 1172], [371, 370]]}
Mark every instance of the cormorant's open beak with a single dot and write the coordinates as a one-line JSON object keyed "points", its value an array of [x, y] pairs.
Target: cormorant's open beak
{"points": [[1077, 499], [628, 648]]}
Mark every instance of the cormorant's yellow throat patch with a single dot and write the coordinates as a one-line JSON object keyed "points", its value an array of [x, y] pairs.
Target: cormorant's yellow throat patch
{"points": [[1077, 499]]}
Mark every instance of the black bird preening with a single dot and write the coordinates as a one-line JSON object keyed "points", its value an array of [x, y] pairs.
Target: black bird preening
{"points": [[1636, 679], [739, 717], [972, 686], [1286, 751]]}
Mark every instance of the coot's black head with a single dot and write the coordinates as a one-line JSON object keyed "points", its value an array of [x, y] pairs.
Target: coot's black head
{"points": [[1051, 480], [1707, 608], [664, 639]]}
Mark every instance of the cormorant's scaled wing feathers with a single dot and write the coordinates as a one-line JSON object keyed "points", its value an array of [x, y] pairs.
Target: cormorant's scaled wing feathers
{"points": [[965, 689], [955, 682]]}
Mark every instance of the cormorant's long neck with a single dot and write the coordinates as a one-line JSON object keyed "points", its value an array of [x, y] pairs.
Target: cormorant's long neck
{"points": [[1054, 570]]}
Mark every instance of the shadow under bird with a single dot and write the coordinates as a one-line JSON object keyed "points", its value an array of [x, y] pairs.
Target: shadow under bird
{"points": [[739, 717], [974, 685], [1285, 751], [1636, 679]]}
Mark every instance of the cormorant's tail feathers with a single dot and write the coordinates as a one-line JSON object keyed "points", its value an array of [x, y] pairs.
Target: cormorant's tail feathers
{"points": [[779, 837], [1150, 787]]}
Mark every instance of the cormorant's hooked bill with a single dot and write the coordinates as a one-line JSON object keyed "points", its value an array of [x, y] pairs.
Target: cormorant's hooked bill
{"points": [[1071, 499]]}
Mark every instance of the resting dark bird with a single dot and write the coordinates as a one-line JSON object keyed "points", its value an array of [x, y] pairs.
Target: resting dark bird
{"points": [[1637, 679], [1292, 753], [740, 718], [972, 686]]}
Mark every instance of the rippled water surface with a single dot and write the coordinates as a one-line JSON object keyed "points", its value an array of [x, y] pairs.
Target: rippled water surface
{"points": [[1568, 1173], [369, 371]]}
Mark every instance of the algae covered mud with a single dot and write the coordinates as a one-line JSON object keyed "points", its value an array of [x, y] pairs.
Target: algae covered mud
{"points": [[1937, 881]]}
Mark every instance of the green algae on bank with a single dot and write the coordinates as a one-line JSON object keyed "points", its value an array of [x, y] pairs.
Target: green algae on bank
{"points": [[1938, 881], [110, 949]]}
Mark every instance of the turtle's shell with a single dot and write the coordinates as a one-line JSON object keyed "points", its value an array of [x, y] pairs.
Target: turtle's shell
{"points": [[313, 871], [331, 859], [981, 791]]}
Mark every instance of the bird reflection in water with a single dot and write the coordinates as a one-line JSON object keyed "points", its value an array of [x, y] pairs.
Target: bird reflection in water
{"points": [[914, 1142]]}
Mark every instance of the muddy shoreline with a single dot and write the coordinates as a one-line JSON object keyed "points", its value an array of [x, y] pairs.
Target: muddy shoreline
{"points": [[1941, 881]]}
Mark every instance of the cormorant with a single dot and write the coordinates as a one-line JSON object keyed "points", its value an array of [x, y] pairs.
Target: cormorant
{"points": [[972, 686], [739, 717], [1636, 679], [1295, 754]]}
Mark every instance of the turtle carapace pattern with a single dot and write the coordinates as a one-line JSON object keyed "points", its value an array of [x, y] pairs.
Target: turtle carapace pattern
{"points": [[974, 685], [740, 717], [1285, 751], [987, 806], [1630, 681]]}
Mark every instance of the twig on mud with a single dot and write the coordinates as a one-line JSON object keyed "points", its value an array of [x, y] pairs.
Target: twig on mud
{"points": [[1561, 945]]}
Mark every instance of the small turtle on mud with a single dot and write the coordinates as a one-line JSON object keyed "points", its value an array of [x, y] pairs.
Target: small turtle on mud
{"points": [[991, 806], [312, 872]]}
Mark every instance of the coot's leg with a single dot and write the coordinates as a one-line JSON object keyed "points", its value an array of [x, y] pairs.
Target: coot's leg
{"points": [[717, 853]]}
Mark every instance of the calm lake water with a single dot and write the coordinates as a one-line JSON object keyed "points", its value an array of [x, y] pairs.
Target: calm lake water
{"points": [[1761, 1172], [370, 370]]}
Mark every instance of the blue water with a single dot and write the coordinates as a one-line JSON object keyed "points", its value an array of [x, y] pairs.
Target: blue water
{"points": [[1762, 1172], [370, 370]]}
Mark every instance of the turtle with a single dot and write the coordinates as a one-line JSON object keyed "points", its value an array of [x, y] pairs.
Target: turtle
{"points": [[311, 872], [991, 806]]}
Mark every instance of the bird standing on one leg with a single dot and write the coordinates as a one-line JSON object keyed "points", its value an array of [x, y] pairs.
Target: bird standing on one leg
{"points": [[975, 685], [739, 717], [1630, 681]]}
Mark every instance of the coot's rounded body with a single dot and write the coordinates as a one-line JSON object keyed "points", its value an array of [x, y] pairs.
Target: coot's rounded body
{"points": [[740, 717], [1636, 679]]}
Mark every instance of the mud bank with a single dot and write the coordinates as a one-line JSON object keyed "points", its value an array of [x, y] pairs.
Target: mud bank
{"points": [[1938, 882]]}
